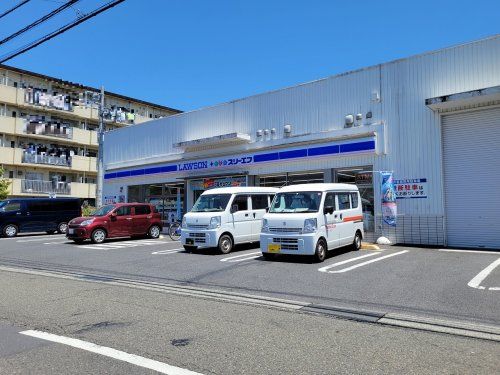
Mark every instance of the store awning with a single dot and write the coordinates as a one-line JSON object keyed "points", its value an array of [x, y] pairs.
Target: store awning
{"points": [[222, 140], [465, 100]]}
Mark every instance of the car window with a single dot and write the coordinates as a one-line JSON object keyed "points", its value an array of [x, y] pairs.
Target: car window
{"points": [[142, 210], [13, 206], [344, 203], [259, 202], [354, 200], [330, 200], [123, 211], [241, 201]]}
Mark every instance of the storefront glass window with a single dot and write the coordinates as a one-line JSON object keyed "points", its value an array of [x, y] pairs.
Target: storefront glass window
{"points": [[279, 180], [363, 178]]}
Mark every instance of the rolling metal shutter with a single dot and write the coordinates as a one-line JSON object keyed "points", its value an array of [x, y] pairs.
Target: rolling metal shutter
{"points": [[471, 161]]}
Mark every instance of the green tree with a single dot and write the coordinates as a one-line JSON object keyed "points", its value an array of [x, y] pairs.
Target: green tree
{"points": [[4, 185]]}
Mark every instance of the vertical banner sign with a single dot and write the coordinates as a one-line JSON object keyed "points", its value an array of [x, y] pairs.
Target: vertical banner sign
{"points": [[389, 208]]}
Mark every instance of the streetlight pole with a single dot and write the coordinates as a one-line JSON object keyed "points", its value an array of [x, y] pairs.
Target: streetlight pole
{"points": [[100, 154]]}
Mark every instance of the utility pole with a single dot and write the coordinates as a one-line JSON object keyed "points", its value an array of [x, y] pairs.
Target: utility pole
{"points": [[100, 155]]}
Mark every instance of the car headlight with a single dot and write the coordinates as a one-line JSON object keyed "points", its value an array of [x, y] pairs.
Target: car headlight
{"points": [[310, 225], [265, 226], [214, 222], [184, 224], [86, 222]]}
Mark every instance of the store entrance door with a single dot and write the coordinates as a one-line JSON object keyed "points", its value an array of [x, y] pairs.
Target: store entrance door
{"points": [[362, 177]]}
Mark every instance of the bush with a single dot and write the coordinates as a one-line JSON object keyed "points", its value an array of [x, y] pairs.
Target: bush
{"points": [[87, 210]]}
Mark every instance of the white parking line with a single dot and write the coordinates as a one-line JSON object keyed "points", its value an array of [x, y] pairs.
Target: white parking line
{"points": [[122, 244], [368, 262], [55, 243], [38, 239], [478, 279], [111, 353], [324, 269], [470, 251], [241, 256], [165, 252]]}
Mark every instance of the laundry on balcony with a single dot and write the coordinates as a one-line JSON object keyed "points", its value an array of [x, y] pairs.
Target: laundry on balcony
{"points": [[41, 97], [37, 125], [41, 154], [119, 114]]}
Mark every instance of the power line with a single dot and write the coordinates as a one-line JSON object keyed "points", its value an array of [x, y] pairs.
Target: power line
{"points": [[14, 8], [61, 30], [39, 21]]}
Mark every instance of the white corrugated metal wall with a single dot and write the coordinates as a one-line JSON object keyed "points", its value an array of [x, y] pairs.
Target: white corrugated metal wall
{"points": [[413, 130]]}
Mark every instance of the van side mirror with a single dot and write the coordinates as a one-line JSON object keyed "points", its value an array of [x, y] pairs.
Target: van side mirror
{"points": [[328, 210], [234, 208]]}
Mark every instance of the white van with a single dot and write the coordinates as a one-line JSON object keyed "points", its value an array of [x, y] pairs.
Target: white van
{"points": [[224, 217], [310, 219]]}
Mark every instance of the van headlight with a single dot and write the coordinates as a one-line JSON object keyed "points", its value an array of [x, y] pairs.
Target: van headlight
{"points": [[310, 225], [265, 226], [86, 222], [184, 224], [214, 222]]}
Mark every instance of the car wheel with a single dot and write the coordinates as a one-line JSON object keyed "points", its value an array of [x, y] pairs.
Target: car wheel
{"points": [[78, 241], [98, 236], [320, 253], [268, 256], [51, 232], [190, 249], [154, 231], [356, 244], [225, 244], [62, 227], [10, 230]]}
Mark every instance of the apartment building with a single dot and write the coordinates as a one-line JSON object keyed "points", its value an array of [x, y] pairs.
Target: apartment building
{"points": [[48, 132]]}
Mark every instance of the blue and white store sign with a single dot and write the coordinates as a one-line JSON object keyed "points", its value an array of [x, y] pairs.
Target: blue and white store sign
{"points": [[248, 160]]}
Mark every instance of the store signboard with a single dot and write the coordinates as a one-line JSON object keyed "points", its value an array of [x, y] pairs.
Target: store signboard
{"points": [[211, 183], [389, 207], [411, 188], [242, 161]]}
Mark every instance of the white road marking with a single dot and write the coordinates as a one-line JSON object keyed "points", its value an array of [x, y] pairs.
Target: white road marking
{"points": [[243, 259], [55, 243], [478, 279], [470, 251], [94, 247], [111, 353], [240, 256], [368, 262], [324, 269], [164, 252], [121, 245], [38, 239]]}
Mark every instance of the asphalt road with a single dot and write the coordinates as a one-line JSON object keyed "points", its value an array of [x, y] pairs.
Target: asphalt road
{"points": [[410, 280], [210, 337]]}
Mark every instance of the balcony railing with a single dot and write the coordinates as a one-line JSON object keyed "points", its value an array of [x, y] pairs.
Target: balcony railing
{"points": [[51, 129], [61, 161], [45, 187]]}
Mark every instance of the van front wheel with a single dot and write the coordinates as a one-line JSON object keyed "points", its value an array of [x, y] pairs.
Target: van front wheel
{"points": [[320, 253], [225, 244]]}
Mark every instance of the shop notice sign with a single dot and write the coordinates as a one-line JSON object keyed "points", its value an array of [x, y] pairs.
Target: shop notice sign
{"points": [[411, 188], [389, 207]]}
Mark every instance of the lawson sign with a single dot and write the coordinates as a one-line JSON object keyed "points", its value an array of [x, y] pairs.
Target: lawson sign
{"points": [[213, 164]]}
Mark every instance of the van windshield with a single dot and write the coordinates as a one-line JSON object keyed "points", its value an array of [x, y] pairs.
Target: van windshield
{"points": [[211, 203], [103, 211], [3, 204], [297, 202]]}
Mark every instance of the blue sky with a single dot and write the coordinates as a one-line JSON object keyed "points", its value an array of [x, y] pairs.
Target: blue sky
{"points": [[188, 54]]}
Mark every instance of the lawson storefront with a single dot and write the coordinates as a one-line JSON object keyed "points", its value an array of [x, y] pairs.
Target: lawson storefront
{"points": [[174, 187]]}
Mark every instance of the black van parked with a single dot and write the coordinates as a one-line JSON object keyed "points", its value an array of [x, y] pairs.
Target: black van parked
{"points": [[37, 215]]}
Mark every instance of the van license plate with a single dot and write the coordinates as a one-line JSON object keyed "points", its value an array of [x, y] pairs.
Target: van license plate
{"points": [[71, 231], [273, 248]]}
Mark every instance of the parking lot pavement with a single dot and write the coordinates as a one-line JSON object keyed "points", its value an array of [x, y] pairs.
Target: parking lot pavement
{"points": [[454, 284]]}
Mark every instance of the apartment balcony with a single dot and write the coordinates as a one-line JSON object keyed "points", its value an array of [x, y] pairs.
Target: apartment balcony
{"points": [[11, 156], [84, 164], [45, 187], [19, 126], [38, 188], [58, 161]]}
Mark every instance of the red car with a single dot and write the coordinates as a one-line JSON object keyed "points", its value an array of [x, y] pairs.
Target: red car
{"points": [[116, 220]]}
